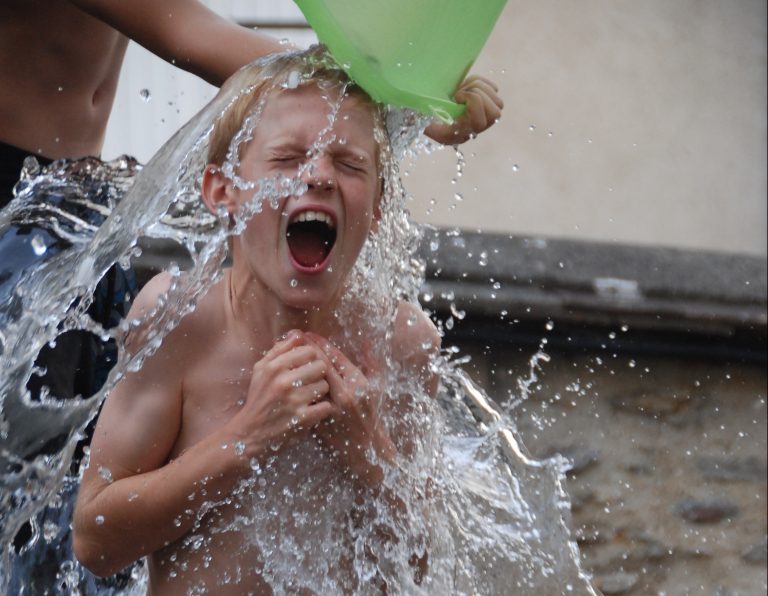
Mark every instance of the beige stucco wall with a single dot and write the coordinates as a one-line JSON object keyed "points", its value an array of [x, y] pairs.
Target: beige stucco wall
{"points": [[657, 115], [656, 109]]}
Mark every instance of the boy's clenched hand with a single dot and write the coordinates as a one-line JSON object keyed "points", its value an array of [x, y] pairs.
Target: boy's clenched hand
{"points": [[285, 397], [354, 427], [484, 106]]}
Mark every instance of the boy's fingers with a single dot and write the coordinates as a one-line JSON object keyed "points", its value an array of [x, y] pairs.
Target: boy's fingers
{"points": [[338, 390], [492, 110], [482, 112], [338, 359], [291, 340], [313, 392], [315, 413], [475, 113], [488, 91], [307, 373], [295, 357], [472, 79]]}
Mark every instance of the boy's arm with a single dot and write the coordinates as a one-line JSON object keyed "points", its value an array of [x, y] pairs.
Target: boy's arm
{"points": [[185, 33], [191, 36], [134, 501]]}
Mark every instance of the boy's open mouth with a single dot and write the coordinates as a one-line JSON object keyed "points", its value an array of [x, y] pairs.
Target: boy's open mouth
{"points": [[311, 236]]}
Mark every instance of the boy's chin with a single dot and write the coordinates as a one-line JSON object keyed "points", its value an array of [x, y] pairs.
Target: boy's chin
{"points": [[309, 298]]}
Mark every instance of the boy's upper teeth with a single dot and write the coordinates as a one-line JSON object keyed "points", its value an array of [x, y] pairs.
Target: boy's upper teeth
{"points": [[313, 216]]}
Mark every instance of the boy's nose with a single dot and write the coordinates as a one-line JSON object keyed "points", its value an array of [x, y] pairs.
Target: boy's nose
{"points": [[320, 174]]}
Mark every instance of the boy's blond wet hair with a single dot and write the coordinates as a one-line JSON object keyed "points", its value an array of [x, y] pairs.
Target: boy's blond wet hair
{"points": [[274, 76]]}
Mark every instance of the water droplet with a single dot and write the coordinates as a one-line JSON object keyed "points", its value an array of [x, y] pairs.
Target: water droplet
{"points": [[50, 531], [239, 448], [298, 383], [458, 314], [294, 283], [99, 520], [294, 78], [106, 474], [550, 325], [145, 95], [515, 168], [38, 245]]}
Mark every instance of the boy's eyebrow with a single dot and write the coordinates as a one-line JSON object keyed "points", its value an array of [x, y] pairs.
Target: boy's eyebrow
{"points": [[336, 148]]}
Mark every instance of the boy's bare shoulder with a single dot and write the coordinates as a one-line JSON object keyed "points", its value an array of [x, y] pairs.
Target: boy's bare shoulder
{"points": [[147, 299], [415, 337], [149, 305]]}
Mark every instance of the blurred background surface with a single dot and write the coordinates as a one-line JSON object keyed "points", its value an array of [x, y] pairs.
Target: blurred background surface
{"points": [[630, 122]]}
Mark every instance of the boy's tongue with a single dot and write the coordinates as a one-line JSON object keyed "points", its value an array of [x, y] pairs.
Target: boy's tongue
{"points": [[309, 243]]}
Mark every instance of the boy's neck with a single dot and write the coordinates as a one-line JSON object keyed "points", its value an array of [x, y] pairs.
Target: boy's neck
{"points": [[261, 314]]}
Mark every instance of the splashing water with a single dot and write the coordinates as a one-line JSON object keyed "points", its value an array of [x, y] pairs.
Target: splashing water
{"points": [[475, 514]]}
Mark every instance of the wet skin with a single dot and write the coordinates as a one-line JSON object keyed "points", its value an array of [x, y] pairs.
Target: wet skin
{"points": [[60, 61], [56, 60], [223, 377]]}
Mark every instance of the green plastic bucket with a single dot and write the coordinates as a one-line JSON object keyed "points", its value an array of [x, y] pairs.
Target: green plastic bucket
{"points": [[408, 53]]}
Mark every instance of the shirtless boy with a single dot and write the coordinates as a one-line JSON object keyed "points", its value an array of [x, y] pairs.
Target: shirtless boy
{"points": [[253, 373]]}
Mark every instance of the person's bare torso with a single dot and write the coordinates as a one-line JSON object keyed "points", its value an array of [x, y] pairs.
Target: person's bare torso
{"points": [[222, 554], [59, 69]]}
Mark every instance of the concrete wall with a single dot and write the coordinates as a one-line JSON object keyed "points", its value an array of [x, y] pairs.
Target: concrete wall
{"points": [[632, 121], [650, 126]]}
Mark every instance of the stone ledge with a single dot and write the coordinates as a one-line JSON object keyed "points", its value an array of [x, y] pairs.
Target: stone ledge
{"points": [[670, 300]]}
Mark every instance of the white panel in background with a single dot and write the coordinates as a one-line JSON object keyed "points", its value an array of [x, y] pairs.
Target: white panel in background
{"points": [[154, 99]]}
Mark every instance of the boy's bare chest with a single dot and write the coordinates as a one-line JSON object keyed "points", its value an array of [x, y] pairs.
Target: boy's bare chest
{"points": [[214, 390]]}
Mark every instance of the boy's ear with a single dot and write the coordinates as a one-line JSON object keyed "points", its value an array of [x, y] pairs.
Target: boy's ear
{"points": [[217, 190]]}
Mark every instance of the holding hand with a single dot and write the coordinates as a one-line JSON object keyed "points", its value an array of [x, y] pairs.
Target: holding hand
{"points": [[484, 106], [354, 426], [285, 397]]}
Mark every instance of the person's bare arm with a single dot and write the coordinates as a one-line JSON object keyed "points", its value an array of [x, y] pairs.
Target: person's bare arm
{"points": [[133, 500], [130, 495], [185, 33]]}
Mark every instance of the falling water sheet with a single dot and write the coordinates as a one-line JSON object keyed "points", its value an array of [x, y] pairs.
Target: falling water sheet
{"points": [[502, 516]]}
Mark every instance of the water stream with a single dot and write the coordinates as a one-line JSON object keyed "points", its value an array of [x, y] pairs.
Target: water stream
{"points": [[490, 518]]}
